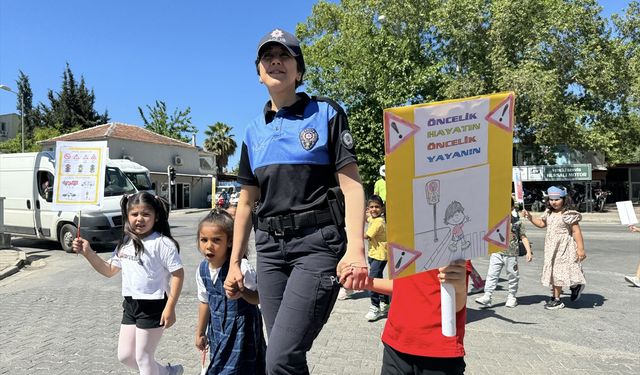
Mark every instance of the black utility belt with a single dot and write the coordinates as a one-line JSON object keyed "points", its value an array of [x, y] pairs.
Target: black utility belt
{"points": [[279, 225]]}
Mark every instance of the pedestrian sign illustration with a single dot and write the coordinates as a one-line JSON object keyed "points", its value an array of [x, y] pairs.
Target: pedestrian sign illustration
{"points": [[397, 131], [499, 234], [448, 175], [400, 258], [432, 190], [502, 115]]}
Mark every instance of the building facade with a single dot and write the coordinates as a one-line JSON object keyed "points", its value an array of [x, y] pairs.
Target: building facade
{"points": [[10, 126], [195, 169]]}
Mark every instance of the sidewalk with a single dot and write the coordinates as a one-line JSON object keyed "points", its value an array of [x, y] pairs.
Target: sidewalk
{"points": [[11, 260]]}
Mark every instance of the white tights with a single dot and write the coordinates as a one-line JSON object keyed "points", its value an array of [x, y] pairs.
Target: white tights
{"points": [[137, 348]]}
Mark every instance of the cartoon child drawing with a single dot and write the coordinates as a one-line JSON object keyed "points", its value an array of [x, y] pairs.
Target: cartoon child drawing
{"points": [[454, 215]]}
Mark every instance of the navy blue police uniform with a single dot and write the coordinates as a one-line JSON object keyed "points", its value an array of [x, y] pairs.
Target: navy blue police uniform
{"points": [[292, 157]]}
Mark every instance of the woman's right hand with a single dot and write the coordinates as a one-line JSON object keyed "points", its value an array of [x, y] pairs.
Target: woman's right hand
{"points": [[234, 283], [81, 246], [526, 214]]}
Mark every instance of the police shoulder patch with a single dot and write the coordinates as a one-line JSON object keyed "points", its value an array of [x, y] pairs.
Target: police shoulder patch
{"points": [[308, 138], [347, 139]]}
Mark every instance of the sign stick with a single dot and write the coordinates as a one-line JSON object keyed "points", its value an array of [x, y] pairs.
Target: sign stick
{"points": [[79, 220], [448, 309]]}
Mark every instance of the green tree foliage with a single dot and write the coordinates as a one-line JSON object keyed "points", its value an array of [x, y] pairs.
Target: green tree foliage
{"points": [[72, 107], [220, 141], [561, 58], [30, 143], [173, 126], [627, 44], [24, 92]]}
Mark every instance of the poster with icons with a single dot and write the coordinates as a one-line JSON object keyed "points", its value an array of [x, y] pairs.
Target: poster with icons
{"points": [[79, 175], [449, 178]]}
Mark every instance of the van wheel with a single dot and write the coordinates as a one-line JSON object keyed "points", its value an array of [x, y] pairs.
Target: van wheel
{"points": [[66, 236]]}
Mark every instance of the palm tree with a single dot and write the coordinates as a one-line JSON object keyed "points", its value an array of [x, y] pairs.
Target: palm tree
{"points": [[221, 143]]}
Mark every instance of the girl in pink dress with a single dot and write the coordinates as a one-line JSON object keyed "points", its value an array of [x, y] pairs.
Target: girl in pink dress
{"points": [[563, 247]]}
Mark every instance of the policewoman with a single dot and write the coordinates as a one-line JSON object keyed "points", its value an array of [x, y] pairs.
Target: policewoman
{"points": [[294, 155]]}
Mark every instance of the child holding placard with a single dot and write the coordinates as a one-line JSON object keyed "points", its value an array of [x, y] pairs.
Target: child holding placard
{"points": [[412, 338], [634, 280], [152, 277], [563, 247]]}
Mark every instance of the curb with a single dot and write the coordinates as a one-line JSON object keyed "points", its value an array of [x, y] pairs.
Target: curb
{"points": [[19, 263]]}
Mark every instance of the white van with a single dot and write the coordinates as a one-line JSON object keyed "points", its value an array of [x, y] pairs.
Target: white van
{"points": [[26, 181], [136, 173]]}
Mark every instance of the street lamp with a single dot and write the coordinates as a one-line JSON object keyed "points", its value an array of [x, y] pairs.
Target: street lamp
{"points": [[7, 88]]}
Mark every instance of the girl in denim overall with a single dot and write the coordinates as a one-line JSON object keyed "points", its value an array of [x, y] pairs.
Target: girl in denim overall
{"points": [[230, 328]]}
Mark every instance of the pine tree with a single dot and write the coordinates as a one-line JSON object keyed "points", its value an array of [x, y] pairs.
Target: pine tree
{"points": [[72, 107], [25, 93]]}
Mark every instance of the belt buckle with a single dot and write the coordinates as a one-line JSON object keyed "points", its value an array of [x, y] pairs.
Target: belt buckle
{"points": [[278, 232]]}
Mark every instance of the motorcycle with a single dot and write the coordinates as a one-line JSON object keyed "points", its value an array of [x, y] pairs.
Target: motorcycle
{"points": [[600, 199]]}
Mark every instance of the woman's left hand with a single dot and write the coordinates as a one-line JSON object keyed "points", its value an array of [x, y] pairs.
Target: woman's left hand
{"points": [[168, 317]]}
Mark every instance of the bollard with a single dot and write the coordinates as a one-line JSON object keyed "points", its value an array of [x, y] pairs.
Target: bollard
{"points": [[5, 239]]}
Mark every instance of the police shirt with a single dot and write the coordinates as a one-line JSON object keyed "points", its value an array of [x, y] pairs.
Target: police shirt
{"points": [[292, 155]]}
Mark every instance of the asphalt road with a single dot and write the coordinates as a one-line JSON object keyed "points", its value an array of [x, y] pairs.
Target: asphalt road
{"points": [[61, 317]]}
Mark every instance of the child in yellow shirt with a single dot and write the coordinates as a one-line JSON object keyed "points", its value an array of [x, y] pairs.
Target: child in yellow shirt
{"points": [[377, 236]]}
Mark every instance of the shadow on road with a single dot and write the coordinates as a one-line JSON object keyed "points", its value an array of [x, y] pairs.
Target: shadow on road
{"points": [[474, 315]]}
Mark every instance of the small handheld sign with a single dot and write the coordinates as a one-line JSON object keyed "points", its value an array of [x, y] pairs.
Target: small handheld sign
{"points": [[626, 213], [79, 177]]}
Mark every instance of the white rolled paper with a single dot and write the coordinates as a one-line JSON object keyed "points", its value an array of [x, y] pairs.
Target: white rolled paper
{"points": [[448, 307]]}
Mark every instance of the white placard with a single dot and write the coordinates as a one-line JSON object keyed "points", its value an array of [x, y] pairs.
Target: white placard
{"points": [[626, 213], [80, 174]]}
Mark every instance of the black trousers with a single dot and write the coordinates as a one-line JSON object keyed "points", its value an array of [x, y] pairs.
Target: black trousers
{"points": [[298, 288], [396, 363]]}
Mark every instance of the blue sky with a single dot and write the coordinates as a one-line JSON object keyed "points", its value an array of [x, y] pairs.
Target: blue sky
{"points": [[197, 54]]}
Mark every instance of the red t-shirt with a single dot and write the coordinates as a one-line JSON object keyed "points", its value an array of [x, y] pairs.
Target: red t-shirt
{"points": [[414, 321]]}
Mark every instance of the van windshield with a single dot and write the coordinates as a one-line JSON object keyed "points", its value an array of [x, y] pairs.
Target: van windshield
{"points": [[116, 183], [140, 180]]}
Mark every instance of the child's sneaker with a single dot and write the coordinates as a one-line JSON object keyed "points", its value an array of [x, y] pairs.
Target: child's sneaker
{"points": [[633, 280], [373, 314], [485, 300], [576, 291], [554, 304], [512, 301], [345, 294], [384, 308], [175, 369]]}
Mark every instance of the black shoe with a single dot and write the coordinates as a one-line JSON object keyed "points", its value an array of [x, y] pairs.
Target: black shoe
{"points": [[549, 301], [555, 304], [576, 291]]}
